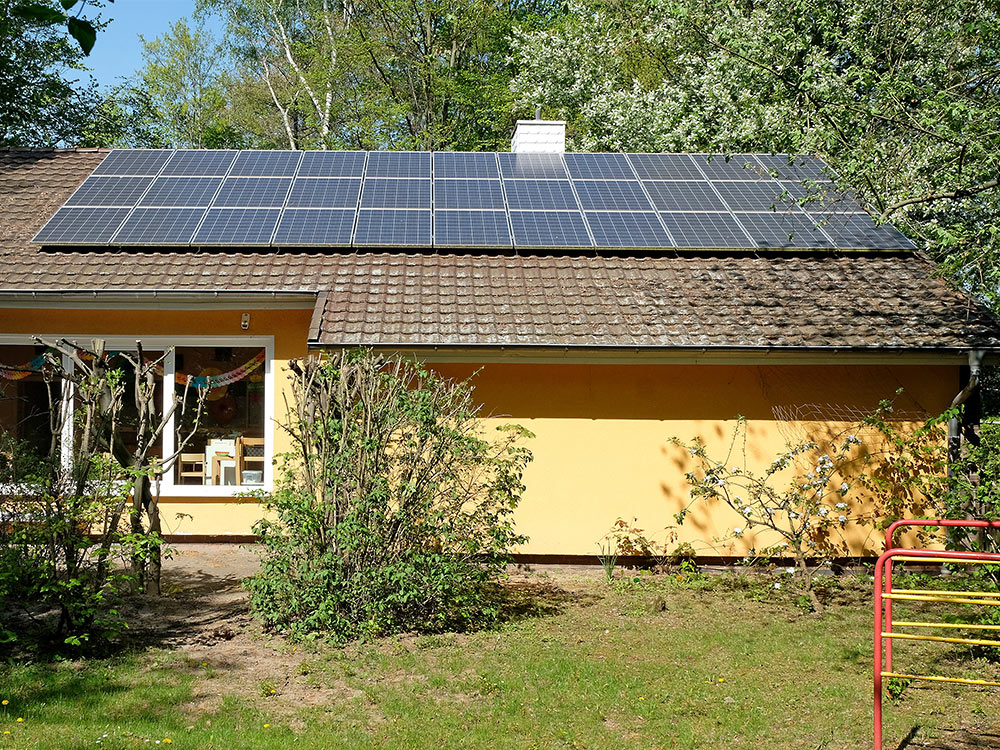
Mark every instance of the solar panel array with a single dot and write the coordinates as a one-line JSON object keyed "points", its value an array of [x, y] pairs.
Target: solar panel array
{"points": [[462, 200]]}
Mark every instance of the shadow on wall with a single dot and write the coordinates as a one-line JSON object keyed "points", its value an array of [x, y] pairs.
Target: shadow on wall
{"points": [[700, 392]]}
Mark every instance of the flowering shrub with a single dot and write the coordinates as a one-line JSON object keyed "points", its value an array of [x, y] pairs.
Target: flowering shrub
{"points": [[806, 497]]}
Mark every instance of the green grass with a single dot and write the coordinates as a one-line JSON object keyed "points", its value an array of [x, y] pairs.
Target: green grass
{"points": [[721, 667]]}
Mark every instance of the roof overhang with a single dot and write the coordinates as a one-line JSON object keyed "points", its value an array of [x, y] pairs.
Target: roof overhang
{"points": [[722, 355], [157, 299]]}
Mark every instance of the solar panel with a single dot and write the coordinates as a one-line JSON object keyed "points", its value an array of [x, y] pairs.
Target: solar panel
{"points": [[159, 226], [467, 194], [469, 165], [784, 230], [253, 192], [133, 162], [540, 195], [266, 164], [401, 193], [109, 191], [859, 232], [532, 166], [237, 226], [786, 167], [471, 229], [683, 195], [612, 195], [81, 226], [176, 192], [325, 192], [732, 167], [665, 167], [399, 164], [332, 164], [627, 229], [396, 228], [768, 195], [599, 167], [549, 229], [718, 230], [200, 163], [315, 226]]}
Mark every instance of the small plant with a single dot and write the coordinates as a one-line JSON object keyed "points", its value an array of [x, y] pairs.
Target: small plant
{"points": [[267, 688], [608, 556], [895, 686]]}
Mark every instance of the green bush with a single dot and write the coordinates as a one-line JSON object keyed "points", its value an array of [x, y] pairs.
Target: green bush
{"points": [[393, 512]]}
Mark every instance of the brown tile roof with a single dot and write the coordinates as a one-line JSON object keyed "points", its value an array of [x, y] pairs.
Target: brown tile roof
{"points": [[878, 301]]}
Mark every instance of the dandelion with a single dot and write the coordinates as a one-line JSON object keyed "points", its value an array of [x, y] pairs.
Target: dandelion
{"points": [[266, 726], [204, 664], [722, 679], [4, 702], [20, 718], [641, 698]]}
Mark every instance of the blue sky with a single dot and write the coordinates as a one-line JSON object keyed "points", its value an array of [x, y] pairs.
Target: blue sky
{"points": [[117, 53]]}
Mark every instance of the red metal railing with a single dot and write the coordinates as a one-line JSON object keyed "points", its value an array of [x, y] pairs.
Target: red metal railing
{"points": [[884, 596]]}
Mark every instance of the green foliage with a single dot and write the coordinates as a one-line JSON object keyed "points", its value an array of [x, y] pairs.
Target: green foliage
{"points": [[898, 97], [184, 81], [393, 512], [41, 101], [79, 528], [433, 74], [54, 14]]}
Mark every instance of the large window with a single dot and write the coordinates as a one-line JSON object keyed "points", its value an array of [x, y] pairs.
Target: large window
{"points": [[225, 448], [225, 444]]}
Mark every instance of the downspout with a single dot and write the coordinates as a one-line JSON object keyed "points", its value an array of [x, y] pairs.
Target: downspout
{"points": [[954, 424]]}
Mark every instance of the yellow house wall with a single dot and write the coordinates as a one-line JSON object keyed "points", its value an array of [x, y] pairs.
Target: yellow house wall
{"points": [[601, 450], [601, 447]]}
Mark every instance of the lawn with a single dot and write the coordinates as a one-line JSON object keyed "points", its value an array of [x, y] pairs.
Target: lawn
{"points": [[721, 662]]}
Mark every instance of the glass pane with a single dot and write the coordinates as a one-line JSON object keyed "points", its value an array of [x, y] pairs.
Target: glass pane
{"points": [[128, 427], [25, 400], [226, 447]]}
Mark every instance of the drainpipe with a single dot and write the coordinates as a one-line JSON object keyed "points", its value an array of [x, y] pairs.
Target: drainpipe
{"points": [[954, 424]]}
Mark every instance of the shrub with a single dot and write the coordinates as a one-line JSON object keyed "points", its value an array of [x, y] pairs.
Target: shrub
{"points": [[392, 512], [79, 525]]}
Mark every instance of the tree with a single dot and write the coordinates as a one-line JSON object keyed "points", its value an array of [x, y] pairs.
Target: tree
{"points": [[900, 98], [41, 102], [184, 80], [432, 74]]}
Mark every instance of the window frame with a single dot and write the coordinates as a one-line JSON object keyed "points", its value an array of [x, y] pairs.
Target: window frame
{"points": [[167, 486]]}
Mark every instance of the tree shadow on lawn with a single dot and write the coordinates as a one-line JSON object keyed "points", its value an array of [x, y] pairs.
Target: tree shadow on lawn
{"points": [[948, 739], [526, 600]]}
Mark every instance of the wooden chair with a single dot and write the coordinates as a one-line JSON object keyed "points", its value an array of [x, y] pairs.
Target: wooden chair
{"points": [[192, 466], [249, 453]]}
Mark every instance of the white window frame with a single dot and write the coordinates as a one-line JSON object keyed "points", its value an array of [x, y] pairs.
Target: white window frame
{"points": [[168, 488]]}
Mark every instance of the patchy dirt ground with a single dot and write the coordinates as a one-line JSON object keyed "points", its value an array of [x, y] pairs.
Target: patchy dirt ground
{"points": [[203, 617]]}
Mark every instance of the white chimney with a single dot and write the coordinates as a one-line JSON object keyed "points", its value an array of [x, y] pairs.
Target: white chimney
{"points": [[539, 137]]}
